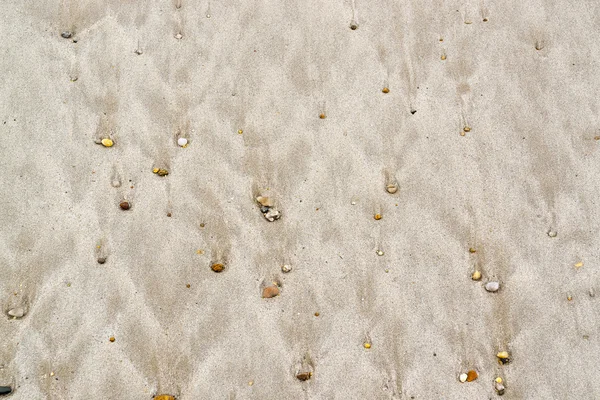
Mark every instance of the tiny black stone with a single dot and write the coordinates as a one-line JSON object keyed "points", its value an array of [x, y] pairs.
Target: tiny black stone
{"points": [[353, 27], [264, 209], [5, 390], [413, 112], [101, 260]]}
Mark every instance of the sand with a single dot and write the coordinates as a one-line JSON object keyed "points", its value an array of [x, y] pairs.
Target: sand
{"points": [[245, 83]]}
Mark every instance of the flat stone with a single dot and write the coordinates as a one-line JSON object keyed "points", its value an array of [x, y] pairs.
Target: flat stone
{"points": [[270, 292], [265, 201], [5, 390], [66, 34], [125, 205], [17, 312], [217, 267], [304, 376], [492, 286]]}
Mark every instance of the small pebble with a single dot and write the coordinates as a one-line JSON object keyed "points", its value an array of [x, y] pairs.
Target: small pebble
{"points": [[569, 297], [353, 203], [66, 34], [304, 376], [188, 285], [5, 390], [377, 217], [138, 51], [112, 339], [272, 215], [472, 375], [125, 205], [462, 377], [385, 90], [413, 111], [592, 292], [17, 312], [182, 142], [286, 268], [164, 397], [443, 57], [492, 286], [503, 357], [264, 201], [178, 36], [217, 267], [472, 250], [552, 233], [322, 116], [168, 214], [240, 131], [162, 172], [379, 252], [467, 129], [270, 292], [317, 314], [107, 142], [499, 388], [353, 27], [391, 188], [476, 276], [367, 345], [101, 260]]}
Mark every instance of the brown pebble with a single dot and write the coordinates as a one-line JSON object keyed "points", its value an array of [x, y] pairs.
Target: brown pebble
{"points": [[385, 90], [217, 267], [202, 225], [125, 205], [472, 375], [188, 286], [101, 260], [317, 314], [270, 292], [353, 27], [112, 339], [377, 217], [304, 376], [163, 397], [168, 214], [472, 250], [322, 116]]}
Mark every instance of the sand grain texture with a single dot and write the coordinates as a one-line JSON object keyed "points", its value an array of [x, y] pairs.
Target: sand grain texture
{"points": [[245, 87]]}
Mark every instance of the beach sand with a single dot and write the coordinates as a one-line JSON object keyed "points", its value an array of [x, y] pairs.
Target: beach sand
{"points": [[489, 129]]}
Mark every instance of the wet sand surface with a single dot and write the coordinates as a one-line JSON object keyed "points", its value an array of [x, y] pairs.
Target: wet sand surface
{"points": [[434, 141]]}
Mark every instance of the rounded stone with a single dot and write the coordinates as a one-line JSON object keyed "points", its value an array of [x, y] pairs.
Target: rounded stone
{"points": [[391, 188], [379, 252], [125, 205], [354, 27], [66, 34], [217, 267], [492, 286], [111, 339], [385, 90], [476, 276], [472, 375], [303, 376], [164, 397], [17, 312], [101, 260], [286, 268], [552, 233], [377, 216], [178, 36], [367, 345], [182, 142], [322, 116], [463, 377], [5, 390], [270, 292], [107, 142], [499, 388]]}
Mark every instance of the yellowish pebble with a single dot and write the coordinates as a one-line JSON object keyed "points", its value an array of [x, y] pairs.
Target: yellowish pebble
{"points": [[579, 264], [322, 116], [377, 217], [240, 131], [476, 276], [443, 57], [155, 170], [498, 380], [385, 90], [107, 142], [367, 345], [467, 129]]}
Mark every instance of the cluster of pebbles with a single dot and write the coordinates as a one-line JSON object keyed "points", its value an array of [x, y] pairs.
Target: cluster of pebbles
{"points": [[268, 209]]}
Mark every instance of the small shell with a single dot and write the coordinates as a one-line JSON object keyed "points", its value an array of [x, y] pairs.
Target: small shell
{"points": [[270, 292], [107, 142]]}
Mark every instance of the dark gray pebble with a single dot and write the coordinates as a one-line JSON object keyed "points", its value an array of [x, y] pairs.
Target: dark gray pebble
{"points": [[5, 390], [66, 34]]}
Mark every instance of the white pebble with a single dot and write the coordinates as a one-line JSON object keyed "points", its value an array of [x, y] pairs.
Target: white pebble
{"points": [[492, 286], [286, 268], [379, 252], [16, 312], [182, 141], [552, 233], [463, 377]]}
